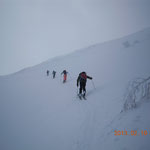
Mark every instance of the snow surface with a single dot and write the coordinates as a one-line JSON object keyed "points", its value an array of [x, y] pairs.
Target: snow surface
{"points": [[41, 113]]}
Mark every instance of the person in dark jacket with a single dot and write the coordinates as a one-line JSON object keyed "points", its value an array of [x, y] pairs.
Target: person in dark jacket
{"points": [[65, 75], [54, 74], [47, 72], [82, 79]]}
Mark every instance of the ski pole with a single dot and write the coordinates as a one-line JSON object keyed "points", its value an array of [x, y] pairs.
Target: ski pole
{"points": [[93, 85]]}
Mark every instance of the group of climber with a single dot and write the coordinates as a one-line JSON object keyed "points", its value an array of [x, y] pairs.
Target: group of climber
{"points": [[81, 80], [53, 73]]}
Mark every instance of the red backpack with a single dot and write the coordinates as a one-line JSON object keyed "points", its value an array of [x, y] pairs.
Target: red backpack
{"points": [[83, 76]]}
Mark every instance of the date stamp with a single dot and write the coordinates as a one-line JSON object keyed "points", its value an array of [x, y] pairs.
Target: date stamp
{"points": [[131, 133]]}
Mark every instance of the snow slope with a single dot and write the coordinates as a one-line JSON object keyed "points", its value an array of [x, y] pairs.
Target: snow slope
{"points": [[39, 113]]}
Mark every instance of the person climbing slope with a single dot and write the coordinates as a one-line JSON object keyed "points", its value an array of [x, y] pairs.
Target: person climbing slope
{"points": [[65, 75], [54, 74], [82, 79], [47, 72]]}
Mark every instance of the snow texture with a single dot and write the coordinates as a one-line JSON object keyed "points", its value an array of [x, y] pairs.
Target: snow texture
{"points": [[41, 113]]}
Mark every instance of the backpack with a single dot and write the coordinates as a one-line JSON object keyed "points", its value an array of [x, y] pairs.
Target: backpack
{"points": [[83, 77]]}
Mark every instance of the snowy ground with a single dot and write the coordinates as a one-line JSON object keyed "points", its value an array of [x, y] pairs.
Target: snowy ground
{"points": [[39, 113]]}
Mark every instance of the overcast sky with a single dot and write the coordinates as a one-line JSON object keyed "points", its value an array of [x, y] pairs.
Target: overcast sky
{"points": [[32, 31]]}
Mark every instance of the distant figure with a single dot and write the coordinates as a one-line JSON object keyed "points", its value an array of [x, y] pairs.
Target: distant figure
{"points": [[82, 78], [65, 75], [54, 74], [47, 72]]}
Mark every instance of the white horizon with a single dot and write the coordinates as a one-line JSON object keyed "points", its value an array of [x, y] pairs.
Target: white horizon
{"points": [[34, 31]]}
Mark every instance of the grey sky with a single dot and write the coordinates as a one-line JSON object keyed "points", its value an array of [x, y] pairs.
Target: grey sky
{"points": [[32, 31]]}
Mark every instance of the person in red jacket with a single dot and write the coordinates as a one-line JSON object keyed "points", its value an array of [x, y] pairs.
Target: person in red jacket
{"points": [[65, 75], [82, 79]]}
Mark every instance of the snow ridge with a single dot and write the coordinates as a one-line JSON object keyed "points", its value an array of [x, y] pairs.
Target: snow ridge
{"points": [[38, 112]]}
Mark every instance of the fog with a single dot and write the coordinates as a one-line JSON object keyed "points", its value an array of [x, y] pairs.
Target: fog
{"points": [[32, 31]]}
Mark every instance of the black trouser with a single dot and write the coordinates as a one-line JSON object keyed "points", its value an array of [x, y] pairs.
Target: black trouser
{"points": [[82, 87]]}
